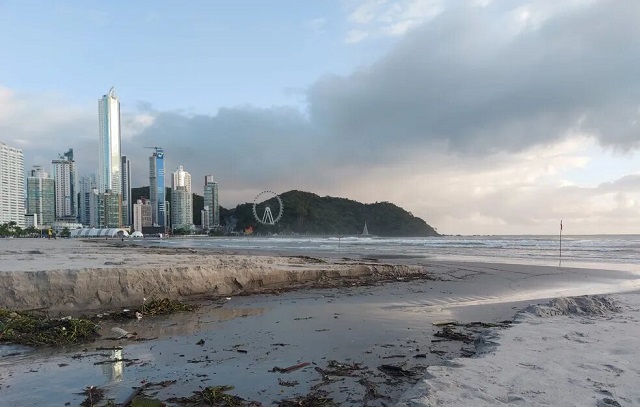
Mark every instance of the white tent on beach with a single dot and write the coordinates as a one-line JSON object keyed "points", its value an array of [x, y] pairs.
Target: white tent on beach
{"points": [[93, 232]]}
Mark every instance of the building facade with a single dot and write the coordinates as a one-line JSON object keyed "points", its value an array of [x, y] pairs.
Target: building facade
{"points": [[126, 192], [204, 216], [142, 214], [11, 185], [41, 197], [181, 200], [87, 189], [109, 210], [64, 176], [211, 201], [157, 188]]}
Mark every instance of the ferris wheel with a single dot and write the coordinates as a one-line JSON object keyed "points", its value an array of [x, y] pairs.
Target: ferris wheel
{"points": [[262, 205]]}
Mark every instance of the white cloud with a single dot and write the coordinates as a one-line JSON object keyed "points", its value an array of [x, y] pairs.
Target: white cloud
{"points": [[354, 36], [376, 18], [41, 120], [134, 124], [317, 25], [523, 193], [380, 18]]}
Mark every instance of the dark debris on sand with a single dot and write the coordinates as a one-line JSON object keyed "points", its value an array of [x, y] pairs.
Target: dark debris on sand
{"points": [[33, 328]]}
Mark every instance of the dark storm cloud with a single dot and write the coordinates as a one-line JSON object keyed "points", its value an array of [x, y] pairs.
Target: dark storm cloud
{"points": [[245, 144], [465, 80], [472, 81]]}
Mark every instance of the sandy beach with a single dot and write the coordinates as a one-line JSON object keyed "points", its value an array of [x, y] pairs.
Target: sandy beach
{"points": [[347, 323], [554, 356]]}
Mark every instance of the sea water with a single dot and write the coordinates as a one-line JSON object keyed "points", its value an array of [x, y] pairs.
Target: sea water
{"points": [[620, 252]]}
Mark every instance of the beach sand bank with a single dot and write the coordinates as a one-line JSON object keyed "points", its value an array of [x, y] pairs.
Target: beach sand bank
{"points": [[66, 275]]}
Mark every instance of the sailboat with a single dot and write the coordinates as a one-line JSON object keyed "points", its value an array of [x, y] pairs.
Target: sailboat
{"points": [[365, 231]]}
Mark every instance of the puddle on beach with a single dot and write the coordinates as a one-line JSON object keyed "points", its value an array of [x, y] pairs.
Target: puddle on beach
{"points": [[239, 344]]}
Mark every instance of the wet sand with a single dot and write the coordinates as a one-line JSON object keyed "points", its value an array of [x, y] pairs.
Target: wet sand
{"points": [[369, 325]]}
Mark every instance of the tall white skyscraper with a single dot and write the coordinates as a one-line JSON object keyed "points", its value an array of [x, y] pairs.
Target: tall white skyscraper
{"points": [[181, 200], [64, 175], [41, 196], [11, 185], [126, 192], [211, 201], [109, 146]]}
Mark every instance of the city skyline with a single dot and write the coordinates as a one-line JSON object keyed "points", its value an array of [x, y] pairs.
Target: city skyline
{"points": [[467, 114]]}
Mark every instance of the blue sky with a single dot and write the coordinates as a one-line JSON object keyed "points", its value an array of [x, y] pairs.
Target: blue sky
{"points": [[480, 116], [194, 56]]}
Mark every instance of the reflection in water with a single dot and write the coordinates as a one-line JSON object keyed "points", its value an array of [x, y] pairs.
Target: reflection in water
{"points": [[114, 371], [181, 323]]}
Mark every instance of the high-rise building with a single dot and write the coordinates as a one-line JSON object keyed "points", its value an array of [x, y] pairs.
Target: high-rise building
{"points": [[64, 175], [87, 188], [181, 200], [211, 201], [109, 146], [142, 214], [204, 216], [109, 210], [96, 208], [11, 185], [156, 187], [126, 191], [41, 197], [109, 178]]}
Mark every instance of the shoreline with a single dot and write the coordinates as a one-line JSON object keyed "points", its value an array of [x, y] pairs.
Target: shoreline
{"points": [[73, 276]]}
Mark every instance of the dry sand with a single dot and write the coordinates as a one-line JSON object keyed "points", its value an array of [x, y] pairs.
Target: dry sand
{"points": [[574, 352]]}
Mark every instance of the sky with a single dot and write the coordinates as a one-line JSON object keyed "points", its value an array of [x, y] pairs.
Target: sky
{"points": [[479, 116]]}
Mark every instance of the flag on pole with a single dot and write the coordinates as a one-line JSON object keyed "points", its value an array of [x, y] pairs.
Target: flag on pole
{"points": [[560, 224]]}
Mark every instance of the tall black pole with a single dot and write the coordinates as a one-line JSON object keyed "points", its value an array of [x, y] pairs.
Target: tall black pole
{"points": [[561, 242]]}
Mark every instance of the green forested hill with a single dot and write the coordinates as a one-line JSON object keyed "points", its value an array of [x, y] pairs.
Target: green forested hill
{"points": [[308, 213]]}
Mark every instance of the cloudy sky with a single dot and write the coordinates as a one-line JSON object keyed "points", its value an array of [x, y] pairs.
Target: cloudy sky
{"points": [[480, 116]]}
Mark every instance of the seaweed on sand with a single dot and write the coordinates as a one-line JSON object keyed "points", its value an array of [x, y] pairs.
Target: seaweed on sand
{"points": [[162, 306], [314, 399], [165, 306], [211, 396], [29, 328]]}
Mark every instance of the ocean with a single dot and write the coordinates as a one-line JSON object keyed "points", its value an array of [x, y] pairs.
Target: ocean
{"points": [[619, 252]]}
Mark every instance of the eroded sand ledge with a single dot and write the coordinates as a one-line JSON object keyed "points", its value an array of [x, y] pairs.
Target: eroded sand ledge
{"points": [[71, 275]]}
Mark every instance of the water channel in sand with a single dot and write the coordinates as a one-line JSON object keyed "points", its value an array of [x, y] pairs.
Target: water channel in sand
{"points": [[374, 325]]}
